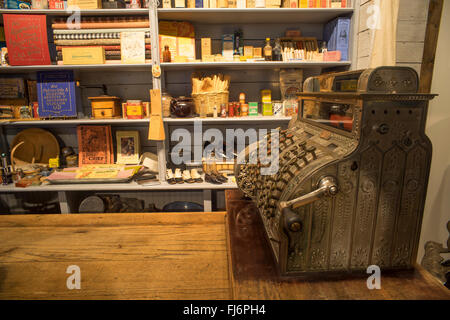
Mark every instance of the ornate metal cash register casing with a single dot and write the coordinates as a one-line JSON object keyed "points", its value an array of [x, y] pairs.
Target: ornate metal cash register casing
{"points": [[352, 178]]}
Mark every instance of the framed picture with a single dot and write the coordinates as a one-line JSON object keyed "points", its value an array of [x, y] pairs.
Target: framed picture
{"points": [[127, 147]]}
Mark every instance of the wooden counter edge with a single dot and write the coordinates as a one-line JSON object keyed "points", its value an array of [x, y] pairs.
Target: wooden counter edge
{"points": [[111, 219]]}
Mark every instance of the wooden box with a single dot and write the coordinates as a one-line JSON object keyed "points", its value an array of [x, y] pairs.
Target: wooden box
{"points": [[85, 4], [105, 107], [83, 55]]}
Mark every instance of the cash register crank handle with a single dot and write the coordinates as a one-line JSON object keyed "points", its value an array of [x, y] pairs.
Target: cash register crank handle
{"points": [[327, 186]]}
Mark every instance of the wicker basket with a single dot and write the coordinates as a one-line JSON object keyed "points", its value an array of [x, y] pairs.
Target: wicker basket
{"points": [[205, 102]]}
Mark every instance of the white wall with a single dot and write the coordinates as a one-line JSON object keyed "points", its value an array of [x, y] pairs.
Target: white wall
{"points": [[437, 206]]}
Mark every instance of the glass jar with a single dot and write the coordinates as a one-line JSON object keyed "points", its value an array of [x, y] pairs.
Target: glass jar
{"points": [[166, 98]]}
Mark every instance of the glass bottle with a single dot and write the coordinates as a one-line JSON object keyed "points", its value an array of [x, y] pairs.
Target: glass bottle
{"points": [[277, 50], [267, 51], [166, 54]]}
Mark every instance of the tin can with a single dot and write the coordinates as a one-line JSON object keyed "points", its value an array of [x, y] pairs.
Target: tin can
{"points": [[237, 109], [277, 108], [231, 109], [244, 109]]}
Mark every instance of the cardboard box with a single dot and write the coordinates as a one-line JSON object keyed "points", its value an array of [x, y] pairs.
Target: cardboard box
{"points": [[253, 108], [257, 52], [227, 46], [248, 52], [291, 82], [206, 47], [86, 55], [85, 4]]}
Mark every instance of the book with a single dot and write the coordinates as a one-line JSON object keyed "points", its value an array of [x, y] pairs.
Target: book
{"points": [[85, 4], [56, 93], [103, 23], [87, 55], [94, 145], [199, 3], [94, 34], [92, 42], [12, 88], [132, 47], [106, 47], [100, 30], [26, 39], [336, 34]]}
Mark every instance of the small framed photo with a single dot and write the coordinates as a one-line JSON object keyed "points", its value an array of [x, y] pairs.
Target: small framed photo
{"points": [[127, 147]]}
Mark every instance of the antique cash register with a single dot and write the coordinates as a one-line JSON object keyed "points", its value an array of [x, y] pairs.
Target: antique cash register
{"points": [[352, 177]]}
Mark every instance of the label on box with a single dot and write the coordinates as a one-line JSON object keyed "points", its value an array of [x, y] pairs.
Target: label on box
{"points": [[253, 108], [83, 55]]}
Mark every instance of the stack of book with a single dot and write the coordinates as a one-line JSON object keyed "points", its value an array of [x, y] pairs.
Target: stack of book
{"points": [[99, 32]]}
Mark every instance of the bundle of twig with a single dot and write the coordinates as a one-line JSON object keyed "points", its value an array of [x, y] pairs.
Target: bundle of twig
{"points": [[215, 83]]}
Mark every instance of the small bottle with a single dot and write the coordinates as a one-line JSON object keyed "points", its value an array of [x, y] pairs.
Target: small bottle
{"points": [[242, 97], [267, 51], [277, 51], [166, 54], [223, 110], [324, 48], [6, 172]]}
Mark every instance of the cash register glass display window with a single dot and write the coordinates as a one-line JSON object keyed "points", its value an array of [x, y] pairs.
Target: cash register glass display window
{"points": [[336, 115]]}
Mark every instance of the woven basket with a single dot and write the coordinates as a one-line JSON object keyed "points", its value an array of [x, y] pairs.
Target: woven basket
{"points": [[205, 102]]}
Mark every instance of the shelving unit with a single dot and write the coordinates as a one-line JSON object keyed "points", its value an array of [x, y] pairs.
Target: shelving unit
{"points": [[49, 123], [208, 23]]}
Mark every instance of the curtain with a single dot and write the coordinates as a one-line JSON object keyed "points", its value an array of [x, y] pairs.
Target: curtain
{"points": [[385, 34]]}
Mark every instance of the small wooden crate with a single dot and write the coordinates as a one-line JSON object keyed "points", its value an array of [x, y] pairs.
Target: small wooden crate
{"points": [[105, 107]]}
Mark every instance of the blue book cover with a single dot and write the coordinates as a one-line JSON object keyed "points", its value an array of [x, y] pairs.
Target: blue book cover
{"points": [[336, 34], [199, 3], [56, 94], [342, 37]]}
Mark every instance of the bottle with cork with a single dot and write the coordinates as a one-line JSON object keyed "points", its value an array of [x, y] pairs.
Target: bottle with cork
{"points": [[267, 51]]}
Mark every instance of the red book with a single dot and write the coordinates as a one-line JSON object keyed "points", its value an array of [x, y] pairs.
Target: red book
{"points": [[26, 39], [344, 3]]}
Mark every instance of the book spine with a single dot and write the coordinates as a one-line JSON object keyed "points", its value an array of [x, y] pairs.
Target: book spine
{"points": [[91, 42], [199, 3], [303, 3], [103, 25], [115, 30], [91, 36], [342, 37], [106, 47]]}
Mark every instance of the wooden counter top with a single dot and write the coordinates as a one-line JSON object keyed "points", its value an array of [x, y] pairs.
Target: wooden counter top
{"points": [[160, 256]]}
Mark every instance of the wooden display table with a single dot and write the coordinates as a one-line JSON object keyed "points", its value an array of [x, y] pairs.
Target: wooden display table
{"points": [[161, 256]]}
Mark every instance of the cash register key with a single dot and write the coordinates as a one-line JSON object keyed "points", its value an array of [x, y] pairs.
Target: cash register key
{"points": [[312, 150], [272, 203], [303, 145], [302, 155]]}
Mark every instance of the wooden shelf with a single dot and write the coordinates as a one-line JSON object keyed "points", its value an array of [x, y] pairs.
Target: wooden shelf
{"points": [[230, 119], [180, 66], [215, 15], [253, 65], [93, 12], [142, 122], [85, 67], [133, 186], [253, 15]]}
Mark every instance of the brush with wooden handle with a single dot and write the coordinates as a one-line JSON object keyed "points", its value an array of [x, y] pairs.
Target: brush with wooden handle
{"points": [[156, 129]]}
